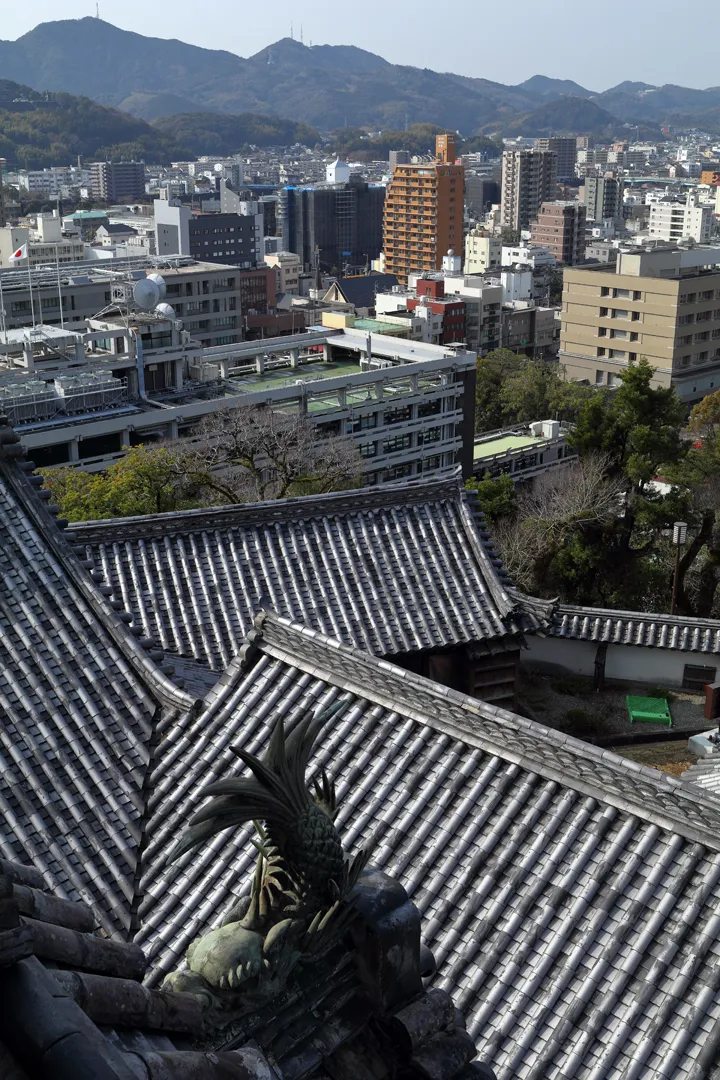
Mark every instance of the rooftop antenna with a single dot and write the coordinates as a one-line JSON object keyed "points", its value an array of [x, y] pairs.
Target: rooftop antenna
{"points": [[292, 36], [301, 39], [97, 9]]}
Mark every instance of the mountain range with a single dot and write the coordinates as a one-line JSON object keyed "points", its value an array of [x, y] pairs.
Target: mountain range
{"points": [[328, 86]]}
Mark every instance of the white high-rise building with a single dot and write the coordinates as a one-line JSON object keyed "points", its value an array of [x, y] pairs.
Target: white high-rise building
{"points": [[675, 221]]}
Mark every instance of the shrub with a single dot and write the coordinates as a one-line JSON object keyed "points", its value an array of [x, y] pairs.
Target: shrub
{"points": [[572, 684], [658, 692]]}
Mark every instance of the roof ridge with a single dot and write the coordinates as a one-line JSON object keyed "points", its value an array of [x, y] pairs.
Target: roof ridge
{"points": [[602, 774], [640, 616], [276, 510], [62, 545]]}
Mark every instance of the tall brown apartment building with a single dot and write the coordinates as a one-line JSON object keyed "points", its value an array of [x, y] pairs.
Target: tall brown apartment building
{"points": [[423, 216], [560, 227]]}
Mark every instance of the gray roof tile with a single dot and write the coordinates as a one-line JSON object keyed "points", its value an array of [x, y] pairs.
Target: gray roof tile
{"points": [[636, 628], [390, 571]]}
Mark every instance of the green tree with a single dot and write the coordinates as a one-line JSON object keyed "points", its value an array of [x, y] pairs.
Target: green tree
{"points": [[698, 478], [496, 496], [621, 557], [491, 372], [514, 389], [145, 481]]}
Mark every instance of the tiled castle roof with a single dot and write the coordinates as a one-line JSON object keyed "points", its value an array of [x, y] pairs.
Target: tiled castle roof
{"points": [[636, 628], [392, 570], [79, 702], [568, 895]]}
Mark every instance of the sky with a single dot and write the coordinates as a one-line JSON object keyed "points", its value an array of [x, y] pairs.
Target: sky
{"points": [[598, 47]]}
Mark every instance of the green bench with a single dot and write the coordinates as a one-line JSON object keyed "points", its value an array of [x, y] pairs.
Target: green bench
{"points": [[648, 710]]}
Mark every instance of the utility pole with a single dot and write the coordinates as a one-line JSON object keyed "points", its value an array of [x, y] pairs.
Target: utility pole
{"points": [[678, 539]]}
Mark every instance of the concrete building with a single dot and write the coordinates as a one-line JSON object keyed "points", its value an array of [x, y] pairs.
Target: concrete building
{"points": [[332, 225], [46, 244], [532, 255], [483, 251], [423, 216], [560, 227], [397, 157], [117, 181], [662, 304], [288, 267], [522, 452], [565, 150], [481, 192], [227, 238], [337, 172], [529, 178], [483, 308], [80, 397], [673, 221], [603, 197], [205, 296]]}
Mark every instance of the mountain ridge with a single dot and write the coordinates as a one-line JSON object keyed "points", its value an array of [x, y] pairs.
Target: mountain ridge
{"points": [[325, 86]]}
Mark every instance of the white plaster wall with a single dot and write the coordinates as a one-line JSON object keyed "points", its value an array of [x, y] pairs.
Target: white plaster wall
{"points": [[631, 663], [576, 657]]}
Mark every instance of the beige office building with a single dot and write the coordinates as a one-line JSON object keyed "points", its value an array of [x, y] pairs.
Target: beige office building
{"points": [[663, 305]]}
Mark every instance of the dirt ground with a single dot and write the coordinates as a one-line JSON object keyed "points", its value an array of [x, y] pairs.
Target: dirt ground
{"points": [[571, 704]]}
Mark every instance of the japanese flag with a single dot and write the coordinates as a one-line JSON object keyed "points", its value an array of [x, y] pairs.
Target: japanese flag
{"points": [[21, 253]]}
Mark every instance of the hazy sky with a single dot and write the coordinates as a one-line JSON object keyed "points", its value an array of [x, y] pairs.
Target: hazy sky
{"points": [[597, 46]]}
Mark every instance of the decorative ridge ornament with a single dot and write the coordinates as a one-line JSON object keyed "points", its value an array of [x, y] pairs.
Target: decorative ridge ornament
{"points": [[299, 904]]}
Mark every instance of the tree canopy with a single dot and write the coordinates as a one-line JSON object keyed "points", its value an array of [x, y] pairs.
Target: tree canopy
{"points": [[236, 456], [598, 532]]}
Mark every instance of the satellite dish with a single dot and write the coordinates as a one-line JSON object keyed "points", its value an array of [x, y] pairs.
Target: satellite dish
{"points": [[146, 294], [165, 309], [160, 282]]}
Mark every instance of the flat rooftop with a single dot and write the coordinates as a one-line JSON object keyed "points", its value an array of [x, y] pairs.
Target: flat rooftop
{"points": [[504, 443], [287, 376]]}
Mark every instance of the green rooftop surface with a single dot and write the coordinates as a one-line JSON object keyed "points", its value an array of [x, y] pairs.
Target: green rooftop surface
{"points": [[503, 443], [374, 326], [88, 215], [287, 376]]}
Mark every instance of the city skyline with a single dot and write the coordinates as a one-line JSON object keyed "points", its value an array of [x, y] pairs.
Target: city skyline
{"points": [[639, 44]]}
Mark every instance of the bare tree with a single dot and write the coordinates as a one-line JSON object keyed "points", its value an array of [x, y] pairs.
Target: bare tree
{"points": [[549, 509], [257, 453]]}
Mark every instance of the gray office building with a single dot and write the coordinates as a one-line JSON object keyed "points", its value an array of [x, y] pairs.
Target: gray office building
{"points": [[603, 197]]}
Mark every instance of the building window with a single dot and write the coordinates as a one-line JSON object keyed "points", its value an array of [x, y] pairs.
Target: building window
{"points": [[400, 442], [432, 435], [620, 313], [617, 354], [601, 352], [396, 416], [430, 408], [599, 376], [603, 312], [362, 423]]}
